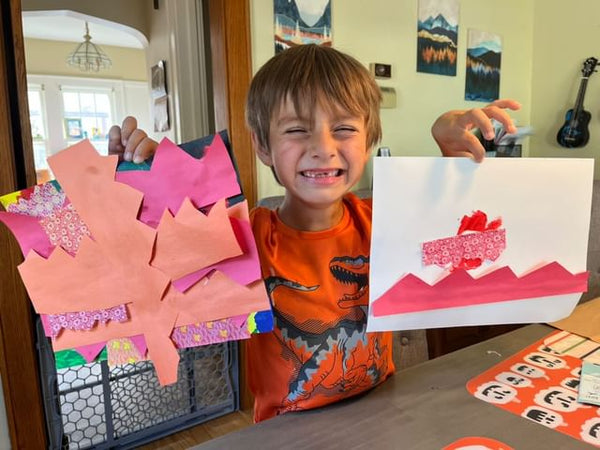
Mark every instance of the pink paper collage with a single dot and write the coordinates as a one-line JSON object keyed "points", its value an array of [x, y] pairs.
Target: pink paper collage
{"points": [[43, 227]]}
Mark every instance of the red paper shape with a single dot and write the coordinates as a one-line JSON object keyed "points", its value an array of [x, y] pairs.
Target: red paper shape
{"points": [[478, 222], [459, 288]]}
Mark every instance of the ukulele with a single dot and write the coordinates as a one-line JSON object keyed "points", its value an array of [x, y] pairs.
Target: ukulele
{"points": [[574, 133]]}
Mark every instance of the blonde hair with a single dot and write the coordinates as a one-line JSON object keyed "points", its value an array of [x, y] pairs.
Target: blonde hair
{"points": [[307, 74]]}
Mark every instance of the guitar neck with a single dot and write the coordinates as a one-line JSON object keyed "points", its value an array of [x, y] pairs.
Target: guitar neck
{"points": [[581, 94]]}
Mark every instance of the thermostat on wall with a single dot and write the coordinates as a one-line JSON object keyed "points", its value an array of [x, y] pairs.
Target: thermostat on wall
{"points": [[379, 70], [388, 97]]}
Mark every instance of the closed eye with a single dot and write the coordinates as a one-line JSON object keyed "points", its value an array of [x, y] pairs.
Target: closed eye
{"points": [[295, 130], [345, 131]]}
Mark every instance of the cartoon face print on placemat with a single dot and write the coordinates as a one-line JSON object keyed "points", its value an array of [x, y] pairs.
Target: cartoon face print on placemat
{"points": [[477, 443], [540, 385]]}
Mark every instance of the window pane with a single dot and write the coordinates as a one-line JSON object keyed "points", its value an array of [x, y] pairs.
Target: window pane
{"points": [[35, 103], [39, 155], [88, 124], [103, 103], [71, 103], [37, 128], [88, 105]]}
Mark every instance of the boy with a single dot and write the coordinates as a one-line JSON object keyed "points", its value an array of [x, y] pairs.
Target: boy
{"points": [[313, 113]]}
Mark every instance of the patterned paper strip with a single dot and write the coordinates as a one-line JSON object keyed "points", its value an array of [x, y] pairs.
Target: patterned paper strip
{"points": [[123, 351], [84, 320], [487, 245], [210, 332], [38, 201], [64, 227]]}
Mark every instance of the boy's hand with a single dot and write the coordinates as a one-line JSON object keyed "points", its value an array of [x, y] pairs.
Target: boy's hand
{"points": [[452, 130], [129, 142]]}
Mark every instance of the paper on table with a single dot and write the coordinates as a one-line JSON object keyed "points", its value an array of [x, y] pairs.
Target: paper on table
{"points": [[584, 320], [416, 200]]}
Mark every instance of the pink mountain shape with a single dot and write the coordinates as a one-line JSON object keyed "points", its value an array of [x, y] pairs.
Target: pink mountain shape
{"points": [[411, 294]]}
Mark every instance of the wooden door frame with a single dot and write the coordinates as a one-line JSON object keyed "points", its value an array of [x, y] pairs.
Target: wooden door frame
{"points": [[231, 63], [18, 361]]}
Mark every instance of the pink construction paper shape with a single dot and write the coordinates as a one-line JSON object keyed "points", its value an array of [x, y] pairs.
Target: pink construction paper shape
{"points": [[486, 245], [140, 343], [28, 232], [90, 351], [165, 185], [411, 294]]}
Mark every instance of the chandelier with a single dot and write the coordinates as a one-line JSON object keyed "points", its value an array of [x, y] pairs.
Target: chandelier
{"points": [[87, 56]]}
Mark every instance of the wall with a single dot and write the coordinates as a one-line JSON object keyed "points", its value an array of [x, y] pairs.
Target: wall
{"points": [[564, 36], [385, 32], [176, 37], [49, 58]]}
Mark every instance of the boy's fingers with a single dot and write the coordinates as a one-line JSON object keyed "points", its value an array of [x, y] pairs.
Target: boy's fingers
{"points": [[506, 103], [114, 141], [144, 150], [476, 150], [135, 138], [127, 128]]}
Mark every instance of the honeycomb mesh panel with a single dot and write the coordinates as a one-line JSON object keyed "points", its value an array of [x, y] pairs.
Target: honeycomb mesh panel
{"points": [[93, 406]]}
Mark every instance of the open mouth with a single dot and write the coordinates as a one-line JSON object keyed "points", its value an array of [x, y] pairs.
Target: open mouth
{"points": [[321, 173]]}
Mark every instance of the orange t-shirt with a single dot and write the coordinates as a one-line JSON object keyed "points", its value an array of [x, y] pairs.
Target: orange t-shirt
{"points": [[319, 351]]}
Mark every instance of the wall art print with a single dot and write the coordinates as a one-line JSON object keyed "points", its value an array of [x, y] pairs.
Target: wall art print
{"points": [[300, 22], [484, 52], [437, 37]]}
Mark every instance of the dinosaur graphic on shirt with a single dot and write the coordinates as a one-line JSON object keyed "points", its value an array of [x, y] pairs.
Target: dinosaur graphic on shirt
{"points": [[330, 359]]}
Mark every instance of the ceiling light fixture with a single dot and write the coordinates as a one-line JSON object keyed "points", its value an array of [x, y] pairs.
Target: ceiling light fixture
{"points": [[88, 57]]}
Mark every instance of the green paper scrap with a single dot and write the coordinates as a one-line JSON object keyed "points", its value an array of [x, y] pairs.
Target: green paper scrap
{"points": [[70, 358]]}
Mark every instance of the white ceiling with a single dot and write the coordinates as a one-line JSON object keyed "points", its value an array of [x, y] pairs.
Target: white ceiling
{"points": [[70, 27]]}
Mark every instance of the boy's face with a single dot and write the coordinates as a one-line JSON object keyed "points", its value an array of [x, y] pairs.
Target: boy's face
{"points": [[317, 160]]}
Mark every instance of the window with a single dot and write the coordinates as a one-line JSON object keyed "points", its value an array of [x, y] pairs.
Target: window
{"points": [[87, 114], [65, 110], [39, 134]]}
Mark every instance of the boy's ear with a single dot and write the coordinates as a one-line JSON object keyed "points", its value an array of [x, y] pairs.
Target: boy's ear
{"points": [[263, 153]]}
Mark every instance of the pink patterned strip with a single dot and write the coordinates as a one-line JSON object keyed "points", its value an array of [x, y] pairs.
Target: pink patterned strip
{"points": [[65, 228], [85, 320], [209, 333], [42, 202], [487, 245]]}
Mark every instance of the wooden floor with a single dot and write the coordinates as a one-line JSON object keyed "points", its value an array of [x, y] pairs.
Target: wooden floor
{"points": [[203, 432]]}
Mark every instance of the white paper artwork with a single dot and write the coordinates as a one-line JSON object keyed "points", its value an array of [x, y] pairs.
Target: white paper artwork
{"points": [[538, 217]]}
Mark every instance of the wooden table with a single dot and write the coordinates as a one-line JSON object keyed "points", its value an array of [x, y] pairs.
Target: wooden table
{"points": [[424, 407]]}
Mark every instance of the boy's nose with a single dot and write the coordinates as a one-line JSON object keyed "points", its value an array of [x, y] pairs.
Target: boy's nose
{"points": [[323, 145]]}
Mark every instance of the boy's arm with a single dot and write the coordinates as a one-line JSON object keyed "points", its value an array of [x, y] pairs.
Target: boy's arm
{"points": [[129, 142], [453, 130]]}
